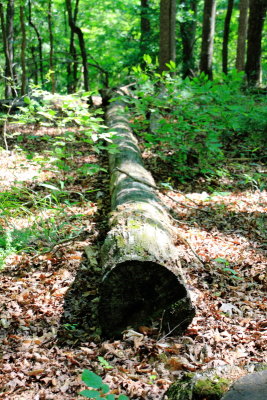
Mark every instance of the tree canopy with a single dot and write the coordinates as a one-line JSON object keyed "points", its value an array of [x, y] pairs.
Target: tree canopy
{"points": [[104, 40]]}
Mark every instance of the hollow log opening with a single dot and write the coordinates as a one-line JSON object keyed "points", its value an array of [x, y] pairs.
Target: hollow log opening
{"points": [[137, 293]]}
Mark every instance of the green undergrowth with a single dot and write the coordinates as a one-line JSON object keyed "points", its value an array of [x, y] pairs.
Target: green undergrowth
{"points": [[36, 230], [65, 142], [198, 126]]}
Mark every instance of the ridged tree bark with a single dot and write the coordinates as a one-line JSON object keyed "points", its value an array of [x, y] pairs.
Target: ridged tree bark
{"points": [[40, 43], [208, 30], [76, 30], [51, 42], [167, 51], [145, 28], [257, 13], [23, 49], [242, 35], [226, 32], [188, 36]]}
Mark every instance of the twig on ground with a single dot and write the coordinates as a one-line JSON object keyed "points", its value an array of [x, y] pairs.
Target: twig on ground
{"points": [[58, 245], [173, 329], [186, 242], [191, 248]]}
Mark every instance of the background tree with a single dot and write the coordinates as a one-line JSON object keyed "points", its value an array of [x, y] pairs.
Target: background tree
{"points": [[242, 35], [257, 13], [51, 52], [188, 36], [23, 50], [72, 68], [76, 30], [7, 25], [40, 44], [208, 30], [112, 37], [145, 28], [226, 31], [167, 33]]}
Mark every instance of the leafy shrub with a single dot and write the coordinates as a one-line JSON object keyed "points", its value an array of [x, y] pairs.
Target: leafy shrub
{"points": [[64, 111], [192, 123]]}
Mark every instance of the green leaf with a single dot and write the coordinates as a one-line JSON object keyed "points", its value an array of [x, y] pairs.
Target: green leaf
{"points": [[110, 397], [48, 186], [171, 65], [166, 185], [91, 379], [105, 388], [104, 363], [27, 100], [123, 397], [221, 260], [147, 59], [232, 271], [90, 394]]}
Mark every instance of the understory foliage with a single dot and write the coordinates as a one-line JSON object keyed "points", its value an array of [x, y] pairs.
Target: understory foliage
{"points": [[74, 128], [197, 124]]}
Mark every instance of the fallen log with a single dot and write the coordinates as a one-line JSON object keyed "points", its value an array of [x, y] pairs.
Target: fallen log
{"points": [[142, 279]]}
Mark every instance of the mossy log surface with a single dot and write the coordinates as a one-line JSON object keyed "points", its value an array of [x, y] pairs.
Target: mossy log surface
{"points": [[142, 279]]}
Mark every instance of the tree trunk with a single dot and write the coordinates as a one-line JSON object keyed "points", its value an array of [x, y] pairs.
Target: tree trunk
{"points": [[34, 65], [51, 52], [142, 280], [8, 40], [10, 88], [3, 28], [72, 69], [23, 49], [145, 28], [242, 35], [208, 30], [226, 31], [257, 12], [40, 44], [167, 50], [188, 35], [79, 33]]}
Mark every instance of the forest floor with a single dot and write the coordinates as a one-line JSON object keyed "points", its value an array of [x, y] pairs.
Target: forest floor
{"points": [[49, 285]]}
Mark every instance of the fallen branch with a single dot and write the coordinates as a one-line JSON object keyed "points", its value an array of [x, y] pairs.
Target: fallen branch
{"points": [[58, 245]]}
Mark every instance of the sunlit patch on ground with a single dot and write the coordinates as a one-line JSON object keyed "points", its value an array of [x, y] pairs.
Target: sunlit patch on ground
{"points": [[15, 169]]}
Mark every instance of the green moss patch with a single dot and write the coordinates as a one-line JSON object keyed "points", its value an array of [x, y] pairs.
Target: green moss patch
{"points": [[192, 388], [210, 389]]}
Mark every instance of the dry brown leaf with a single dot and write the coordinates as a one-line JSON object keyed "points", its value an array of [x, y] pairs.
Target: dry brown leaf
{"points": [[36, 372]]}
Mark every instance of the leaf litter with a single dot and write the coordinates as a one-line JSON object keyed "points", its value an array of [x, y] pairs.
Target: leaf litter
{"points": [[48, 319]]}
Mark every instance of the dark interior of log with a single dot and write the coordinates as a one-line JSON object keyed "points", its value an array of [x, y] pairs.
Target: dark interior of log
{"points": [[138, 293]]}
